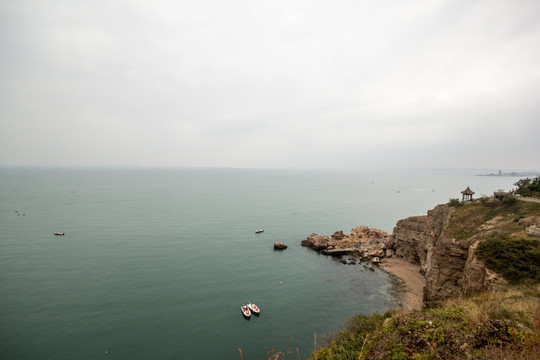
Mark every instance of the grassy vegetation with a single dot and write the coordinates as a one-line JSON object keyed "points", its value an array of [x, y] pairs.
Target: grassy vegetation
{"points": [[498, 325], [474, 218], [506, 248], [516, 260]]}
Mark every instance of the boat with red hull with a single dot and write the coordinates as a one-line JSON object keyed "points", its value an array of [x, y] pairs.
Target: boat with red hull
{"points": [[254, 308], [245, 311]]}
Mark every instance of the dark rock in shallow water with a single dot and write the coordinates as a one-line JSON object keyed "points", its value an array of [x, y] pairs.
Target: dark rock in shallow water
{"points": [[279, 246]]}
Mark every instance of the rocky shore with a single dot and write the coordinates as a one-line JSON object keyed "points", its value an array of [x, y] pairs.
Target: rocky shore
{"points": [[423, 252], [366, 244], [369, 244]]}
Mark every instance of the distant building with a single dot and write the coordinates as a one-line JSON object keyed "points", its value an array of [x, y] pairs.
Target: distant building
{"points": [[467, 194], [501, 195]]}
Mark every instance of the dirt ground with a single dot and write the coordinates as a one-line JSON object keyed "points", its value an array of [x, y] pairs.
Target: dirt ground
{"points": [[413, 281]]}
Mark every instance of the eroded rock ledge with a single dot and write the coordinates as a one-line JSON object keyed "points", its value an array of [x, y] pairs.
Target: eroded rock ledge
{"points": [[364, 242]]}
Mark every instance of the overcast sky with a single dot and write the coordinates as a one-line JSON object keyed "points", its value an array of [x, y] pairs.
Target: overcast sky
{"points": [[271, 84]]}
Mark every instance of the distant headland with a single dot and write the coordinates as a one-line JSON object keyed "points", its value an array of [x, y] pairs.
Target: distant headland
{"points": [[513, 173]]}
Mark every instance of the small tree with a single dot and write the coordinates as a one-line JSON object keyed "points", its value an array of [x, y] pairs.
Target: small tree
{"points": [[528, 186], [535, 184]]}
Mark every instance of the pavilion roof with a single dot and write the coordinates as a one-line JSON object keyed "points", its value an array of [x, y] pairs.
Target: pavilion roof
{"points": [[467, 191]]}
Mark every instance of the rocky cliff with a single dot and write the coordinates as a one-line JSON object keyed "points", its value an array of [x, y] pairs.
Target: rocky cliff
{"points": [[450, 267], [442, 244]]}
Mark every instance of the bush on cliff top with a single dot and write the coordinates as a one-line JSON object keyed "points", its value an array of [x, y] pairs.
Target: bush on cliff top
{"points": [[515, 259]]}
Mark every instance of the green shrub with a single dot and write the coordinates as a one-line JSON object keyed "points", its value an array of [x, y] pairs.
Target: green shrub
{"points": [[528, 186], [455, 203], [515, 259]]}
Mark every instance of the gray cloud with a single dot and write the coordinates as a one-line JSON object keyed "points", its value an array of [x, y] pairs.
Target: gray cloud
{"points": [[323, 84]]}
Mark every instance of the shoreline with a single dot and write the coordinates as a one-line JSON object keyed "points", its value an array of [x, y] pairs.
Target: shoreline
{"points": [[410, 282]]}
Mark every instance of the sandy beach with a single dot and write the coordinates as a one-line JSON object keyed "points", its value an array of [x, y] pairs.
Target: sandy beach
{"points": [[412, 281]]}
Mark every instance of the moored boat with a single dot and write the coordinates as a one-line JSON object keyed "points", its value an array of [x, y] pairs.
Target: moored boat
{"points": [[245, 311], [59, 233], [259, 231], [254, 308]]}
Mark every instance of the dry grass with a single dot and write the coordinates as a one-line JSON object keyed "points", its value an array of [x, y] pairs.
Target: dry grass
{"points": [[517, 304], [492, 325], [484, 214]]}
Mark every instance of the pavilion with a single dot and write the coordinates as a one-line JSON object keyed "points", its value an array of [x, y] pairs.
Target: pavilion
{"points": [[467, 194]]}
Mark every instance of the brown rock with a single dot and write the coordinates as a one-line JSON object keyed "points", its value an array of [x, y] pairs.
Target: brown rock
{"points": [[375, 253], [338, 235], [450, 267], [279, 246], [316, 242], [534, 230], [476, 277]]}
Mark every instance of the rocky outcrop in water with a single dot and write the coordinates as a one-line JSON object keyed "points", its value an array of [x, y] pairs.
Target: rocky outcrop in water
{"points": [[279, 246], [364, 242]]}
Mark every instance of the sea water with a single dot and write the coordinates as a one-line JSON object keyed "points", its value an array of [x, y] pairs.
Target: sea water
{"points": [[155, 263]]}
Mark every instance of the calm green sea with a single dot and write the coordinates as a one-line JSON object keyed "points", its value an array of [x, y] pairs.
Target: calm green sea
{"points": [[156, 263]]}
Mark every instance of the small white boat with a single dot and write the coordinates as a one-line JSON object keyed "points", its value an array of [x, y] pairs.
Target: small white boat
{"points": [[254, 308], [259, 231], [245, 311], [59, 233]]}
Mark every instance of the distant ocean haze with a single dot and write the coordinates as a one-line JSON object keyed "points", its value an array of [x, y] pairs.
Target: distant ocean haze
{"points": [[155, 263]]}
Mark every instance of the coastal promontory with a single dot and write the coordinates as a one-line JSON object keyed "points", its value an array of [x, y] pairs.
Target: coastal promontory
{"points": [[479, 268], [442, 243]]}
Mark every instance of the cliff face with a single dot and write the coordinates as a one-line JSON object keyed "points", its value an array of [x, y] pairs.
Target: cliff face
{"points": [[413, 238], [449, 267]]}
